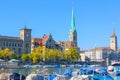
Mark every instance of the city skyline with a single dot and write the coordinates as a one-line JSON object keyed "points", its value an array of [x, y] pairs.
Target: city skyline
{"points": [[94, 20]]}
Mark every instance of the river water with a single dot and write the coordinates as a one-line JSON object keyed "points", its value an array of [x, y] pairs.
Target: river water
{"points": [[42, 71]]}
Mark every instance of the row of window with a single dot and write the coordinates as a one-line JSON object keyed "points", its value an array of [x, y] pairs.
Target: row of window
{"points": [[37, 44], [15, 50], [50, 46], [9, 44]]}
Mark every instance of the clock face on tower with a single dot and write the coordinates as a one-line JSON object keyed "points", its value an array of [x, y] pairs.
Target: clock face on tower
{"points": [[27, 35]]}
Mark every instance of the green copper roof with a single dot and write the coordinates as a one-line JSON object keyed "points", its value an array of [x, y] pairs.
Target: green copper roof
{"points": [[73, 22]]}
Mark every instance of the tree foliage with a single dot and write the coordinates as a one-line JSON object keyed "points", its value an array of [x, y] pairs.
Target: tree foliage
{"points": [[14, 56], [25, 57], [6, 53], [44, 54], [71, 54]]}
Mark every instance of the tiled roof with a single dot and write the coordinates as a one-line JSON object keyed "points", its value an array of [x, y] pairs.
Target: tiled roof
{"points": [[44, 39], [38, 40], [82, 51], [41, 40], [68, 44]]}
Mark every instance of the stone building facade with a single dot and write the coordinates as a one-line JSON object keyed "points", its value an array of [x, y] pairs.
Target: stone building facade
{"points": [[18, 45], [113, 41], [98, 54], [46, 41]]}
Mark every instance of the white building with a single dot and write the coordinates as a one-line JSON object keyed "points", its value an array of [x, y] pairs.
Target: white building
{"points": [[97, 54]]}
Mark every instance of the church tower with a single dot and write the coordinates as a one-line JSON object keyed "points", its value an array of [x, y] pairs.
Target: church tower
{"points": [[73, 32], [113, 41], [25, 35]]}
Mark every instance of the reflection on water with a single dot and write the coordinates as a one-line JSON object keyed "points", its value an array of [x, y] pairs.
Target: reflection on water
{"points": [[42, 71]]}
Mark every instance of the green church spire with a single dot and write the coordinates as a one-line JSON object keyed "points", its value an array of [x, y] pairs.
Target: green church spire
{"points": [[73, 21], [73, 32]]}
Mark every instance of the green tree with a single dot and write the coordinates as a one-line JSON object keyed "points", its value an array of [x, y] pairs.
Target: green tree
{"points": [[25, 57], [1, 53], [14, 56], [38, 54], [71, 54], [35, 60], [7, 53], [57, 55]]}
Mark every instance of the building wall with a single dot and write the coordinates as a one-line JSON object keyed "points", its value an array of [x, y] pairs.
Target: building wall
{"points": [[113, 43], [46, 41], [14, 45], [73, 37], [96, 54], [82, 56], [18, 45], [50, 43]]}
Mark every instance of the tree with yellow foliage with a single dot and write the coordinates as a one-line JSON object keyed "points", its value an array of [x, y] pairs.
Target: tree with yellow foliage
{"points": [[25, 57], [37, 54], [71, 54], [42, 53], [6, 53]]}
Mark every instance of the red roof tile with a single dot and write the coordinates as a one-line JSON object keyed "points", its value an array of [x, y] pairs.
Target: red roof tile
{"points": [[41, 40], [38, 40], [45, 38]]}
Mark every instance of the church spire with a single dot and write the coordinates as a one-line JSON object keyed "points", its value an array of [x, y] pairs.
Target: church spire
{"points": [[113, 33], [73, 32], [113, 41], [73, 19]]}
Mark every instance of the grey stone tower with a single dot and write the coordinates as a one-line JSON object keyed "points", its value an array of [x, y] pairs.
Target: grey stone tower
{"points": [[25, 35], [113, 41]]}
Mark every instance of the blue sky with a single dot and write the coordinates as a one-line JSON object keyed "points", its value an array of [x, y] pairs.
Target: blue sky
{"points": [[95, 19]]}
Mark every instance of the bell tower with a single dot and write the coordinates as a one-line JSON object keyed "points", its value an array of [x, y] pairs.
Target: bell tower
{"points": [[113, 41], [25, 35]]}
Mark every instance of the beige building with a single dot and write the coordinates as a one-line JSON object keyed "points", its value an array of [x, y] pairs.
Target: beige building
{"points": [[18, 45], [82, 56], [102, 53], [67, 44], [98, 54]]}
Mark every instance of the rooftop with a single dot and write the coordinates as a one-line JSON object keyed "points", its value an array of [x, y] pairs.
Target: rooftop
{"points": [[10, 37]]}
